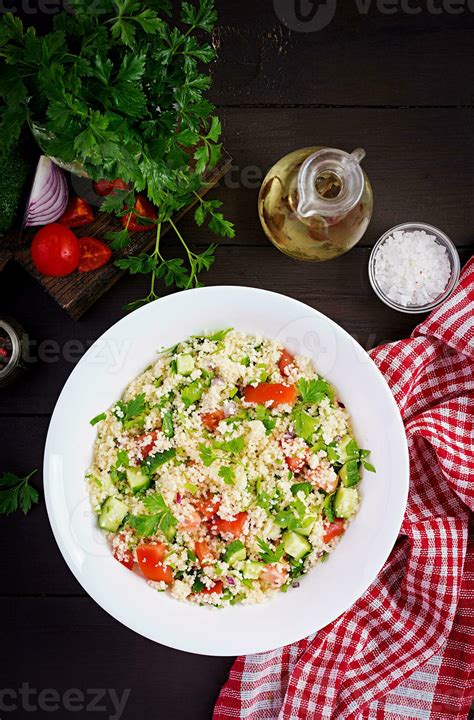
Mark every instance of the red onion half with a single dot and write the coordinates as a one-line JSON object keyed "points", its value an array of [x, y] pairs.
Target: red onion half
{"points": [[49, 194]]}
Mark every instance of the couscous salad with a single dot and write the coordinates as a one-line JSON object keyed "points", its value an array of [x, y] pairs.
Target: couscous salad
{"points": [[227, 470]]}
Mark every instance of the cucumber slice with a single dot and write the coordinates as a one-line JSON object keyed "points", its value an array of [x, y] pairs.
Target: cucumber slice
{"points": [[252, 570], [234, 552], [305, 526], [112, 514], [346, 502], [184, 364], [295, 545], [349, 473], [137, 479], [347, 449]]}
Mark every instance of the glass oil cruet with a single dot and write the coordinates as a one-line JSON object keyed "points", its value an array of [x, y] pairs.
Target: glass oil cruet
{"points": [[316, 203]]}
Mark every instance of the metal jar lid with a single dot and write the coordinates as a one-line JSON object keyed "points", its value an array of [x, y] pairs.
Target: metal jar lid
{"points": [[15, 359]]}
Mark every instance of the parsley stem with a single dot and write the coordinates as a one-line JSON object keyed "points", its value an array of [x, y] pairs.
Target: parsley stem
{"points": [[190, 254], [156, 253]]}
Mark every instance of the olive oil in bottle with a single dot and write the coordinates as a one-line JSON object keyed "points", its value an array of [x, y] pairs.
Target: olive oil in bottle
{"points": [[316, 203]]}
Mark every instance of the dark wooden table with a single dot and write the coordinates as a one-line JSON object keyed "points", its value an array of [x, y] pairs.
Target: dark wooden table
{"points": [[401, 86]]}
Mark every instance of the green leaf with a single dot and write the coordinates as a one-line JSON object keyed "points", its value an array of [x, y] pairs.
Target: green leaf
{"points": [[234, 446], [153, 462], [313, 391], [201, 156], [16, 493], [207, 454], [125, 411], [215, 130], [227, 474], [269, 555], [304, 487], [136, 265], [98, 418], [368, 466], [304, 424], [167, 425]]}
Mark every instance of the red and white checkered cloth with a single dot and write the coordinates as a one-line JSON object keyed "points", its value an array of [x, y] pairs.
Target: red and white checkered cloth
{"points": [[406, 648]]}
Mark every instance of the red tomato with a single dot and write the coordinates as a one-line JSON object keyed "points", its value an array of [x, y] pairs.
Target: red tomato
{"points": [[203, 552], [125, 557], [93, 254], [146, 442], [333, 530], [191, 522], [142, 208], [55, 250], [286, 362], [105, 187], [212, 420], [150, 559], [295, 464], [232, 527], [274, 575], [271, 393], [216, 588], [77, 214], [207, 506]]}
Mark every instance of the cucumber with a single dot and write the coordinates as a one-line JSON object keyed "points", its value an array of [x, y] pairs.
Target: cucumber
{"points": [[349, 473], [112, 514], [234, 552], [252, 570], [347, 449], [137, 479], [295, 545], [184, 364], [305, 526], [346, 502]]}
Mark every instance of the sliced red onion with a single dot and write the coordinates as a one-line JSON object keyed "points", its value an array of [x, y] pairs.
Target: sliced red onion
{"points": [[217, 381], [295, 585], [230, 408], [49, 195], [230, 580], [178, 498]]}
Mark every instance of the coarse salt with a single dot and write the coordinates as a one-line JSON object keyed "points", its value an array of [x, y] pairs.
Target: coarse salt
{"points": [[412, 268]]}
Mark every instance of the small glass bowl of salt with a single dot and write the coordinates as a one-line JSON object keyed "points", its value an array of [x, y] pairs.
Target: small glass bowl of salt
{"points": [[414, 267]]}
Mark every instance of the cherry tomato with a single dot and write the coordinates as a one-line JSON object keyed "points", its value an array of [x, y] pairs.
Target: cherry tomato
{"points": [[146, 442], [274, 575], [286, 363], [55, 250], [207, 506], [212, 420], [203, 552], [333, 530], [216, 588], [270, 394], [93, 254], [77, 214], [295, 464], [232, 527], [105, 187], [142, 208], [150, 559]]}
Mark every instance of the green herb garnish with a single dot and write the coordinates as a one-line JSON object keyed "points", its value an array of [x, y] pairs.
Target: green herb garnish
{"points": [[98, 418], [267, 554], [227, 474], [16, 493], [160, 518]]}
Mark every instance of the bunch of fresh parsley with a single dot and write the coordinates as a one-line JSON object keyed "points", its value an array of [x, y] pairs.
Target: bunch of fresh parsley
{"points": [[119, 88]]}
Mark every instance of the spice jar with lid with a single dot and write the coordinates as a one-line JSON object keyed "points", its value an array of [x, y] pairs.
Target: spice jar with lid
{"points": [[13, 350]]}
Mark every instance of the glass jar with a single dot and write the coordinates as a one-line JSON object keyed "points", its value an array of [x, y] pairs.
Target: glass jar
{"points": [[13, 350], [316, 203]]}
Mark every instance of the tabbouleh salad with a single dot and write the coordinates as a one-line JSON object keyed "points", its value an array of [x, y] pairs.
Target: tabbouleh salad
{"points": [[227, 470]]}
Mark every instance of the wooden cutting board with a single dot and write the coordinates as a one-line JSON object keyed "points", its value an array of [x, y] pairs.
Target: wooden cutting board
{"points": [[78, 291]]}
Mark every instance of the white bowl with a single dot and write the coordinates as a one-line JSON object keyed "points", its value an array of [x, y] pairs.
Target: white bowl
{"points": [[330, 588]]}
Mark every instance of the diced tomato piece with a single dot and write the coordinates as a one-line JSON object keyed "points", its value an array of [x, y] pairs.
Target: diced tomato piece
{"points": [[142, 209], [212, 420], [333, 530], [203, 552], [105, 187], [232, 527], [286, 363], [208, 506], [216, 588], [275, 575], [77, 214], [150, 559], [270, 394], [93, 254], [146, 442], [295, 464], [191, 522], [124, 556]]}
